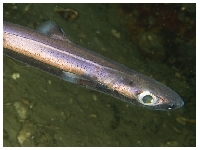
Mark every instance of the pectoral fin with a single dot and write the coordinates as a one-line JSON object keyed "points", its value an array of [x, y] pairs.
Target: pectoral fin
{"points": [[76, 79]]}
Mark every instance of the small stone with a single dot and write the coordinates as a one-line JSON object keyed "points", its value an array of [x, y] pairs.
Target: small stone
{"points": [[115, 33], [94, 97], [22, 109], [26, 134], [15, 76]]}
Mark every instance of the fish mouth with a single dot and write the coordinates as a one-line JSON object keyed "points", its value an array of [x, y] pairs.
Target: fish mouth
{"points": [[167, 106], [175, 104], [178, 104]]}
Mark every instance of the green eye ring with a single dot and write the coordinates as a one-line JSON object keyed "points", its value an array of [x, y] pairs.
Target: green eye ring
{"points": [[147, 98]]}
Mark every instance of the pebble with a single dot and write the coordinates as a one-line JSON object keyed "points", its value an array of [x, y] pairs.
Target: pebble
{"points": [[26, 134], [23, 110]]}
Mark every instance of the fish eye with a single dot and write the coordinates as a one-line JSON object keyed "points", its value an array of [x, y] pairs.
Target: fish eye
{"points": [[147, 98]]}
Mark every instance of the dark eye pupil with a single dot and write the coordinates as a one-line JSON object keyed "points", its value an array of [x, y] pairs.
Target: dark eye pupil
{"points": [[131, 82], [147, 99]]}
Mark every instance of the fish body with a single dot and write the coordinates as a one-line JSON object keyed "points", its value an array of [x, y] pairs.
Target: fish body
{"points": [[50, 51]]}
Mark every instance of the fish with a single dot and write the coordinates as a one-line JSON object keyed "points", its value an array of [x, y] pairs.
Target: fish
{"points": [[48, 49]]}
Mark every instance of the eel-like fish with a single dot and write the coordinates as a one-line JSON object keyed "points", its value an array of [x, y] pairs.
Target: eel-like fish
{"points": [[48, 49]]}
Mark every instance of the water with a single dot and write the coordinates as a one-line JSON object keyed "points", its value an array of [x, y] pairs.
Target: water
{"points": [[64, 114]]}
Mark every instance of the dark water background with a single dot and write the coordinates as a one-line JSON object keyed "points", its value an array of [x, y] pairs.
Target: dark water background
{"points": [[158, 40]]}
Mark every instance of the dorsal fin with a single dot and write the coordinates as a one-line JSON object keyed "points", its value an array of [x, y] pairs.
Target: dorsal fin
{"points": [[51, 29]]}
